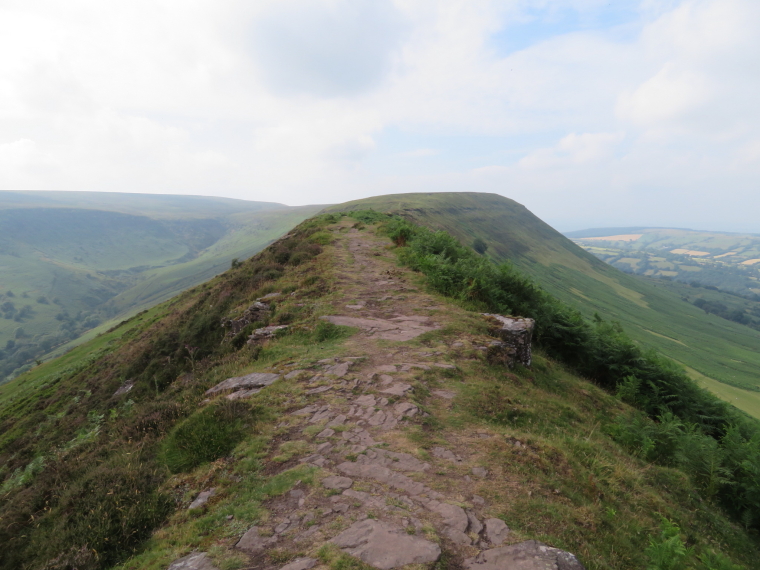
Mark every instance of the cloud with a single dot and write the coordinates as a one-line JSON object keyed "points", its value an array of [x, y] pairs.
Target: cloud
{"points": [[631, 113], [326, 48]]}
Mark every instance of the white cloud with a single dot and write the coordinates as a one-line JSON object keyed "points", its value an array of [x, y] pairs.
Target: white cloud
{"points": [[328, 100]]}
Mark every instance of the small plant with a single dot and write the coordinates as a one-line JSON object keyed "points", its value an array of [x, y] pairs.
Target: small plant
{"points": [[667, 552]]}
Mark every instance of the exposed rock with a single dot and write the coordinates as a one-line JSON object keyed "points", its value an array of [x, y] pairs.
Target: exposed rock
{"points": [[480, 472], [265, 333], [194, 561], [293, 374], [322, 414], [397, 329], [529, 555], [474, 524], [319, 390], [398, 389], [307, 411], [300, 564], [515, 336], [383, 546], [270, 295], [367, 400], [257, 312], [338, 370], [243, 394], [446, 454], [252, 542], [394, 460], [254, 380], [445, 366], [496, 531], [124, 388], [202, 498], [476, 499], [383, 475], [337, 482], [337, 421], [405, 409], [453, 516], [408, 366], [326, 433], [386, 368]]}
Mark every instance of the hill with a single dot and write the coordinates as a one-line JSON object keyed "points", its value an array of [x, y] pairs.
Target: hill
{"points": [[723, 356], [326, 405], [72, 261]]}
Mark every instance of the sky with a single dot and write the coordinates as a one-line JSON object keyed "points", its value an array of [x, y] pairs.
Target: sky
{"points": [[592, 113]]}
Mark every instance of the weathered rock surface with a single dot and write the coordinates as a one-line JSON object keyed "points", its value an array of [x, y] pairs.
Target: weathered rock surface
{"points": [[496, 531], [446, 454], [336, 482], [256, 312], [254, 380], [385, 547], [515, 340], [202, 498], [300, 564], [252, 542], [398, 328], [265, 333], [530, 555], [124, 388], [194, 561]]}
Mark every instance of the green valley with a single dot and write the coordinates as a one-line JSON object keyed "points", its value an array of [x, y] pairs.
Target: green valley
{"points": [[74, 262]]}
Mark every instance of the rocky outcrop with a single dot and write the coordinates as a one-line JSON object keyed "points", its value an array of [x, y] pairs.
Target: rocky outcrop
{"points": [[247, 382], [514, 344], [380, 545], [255, 313], [529, 555]]}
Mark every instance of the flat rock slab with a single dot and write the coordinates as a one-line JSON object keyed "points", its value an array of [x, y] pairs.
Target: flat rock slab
{"points": [[529, 555], [336, 482], [446, 394], [300, 564], [383, 546], [398, 389], [254, 380], [398, 328], [252, 542], [194, 561]]}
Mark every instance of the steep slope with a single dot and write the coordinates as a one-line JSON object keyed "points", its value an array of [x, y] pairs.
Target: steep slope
{"points": [[712, 348], [394, 440], [71, 261]]}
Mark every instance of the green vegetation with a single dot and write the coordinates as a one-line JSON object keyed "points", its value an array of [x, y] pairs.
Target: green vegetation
{"points": [[648, 312], [583, 468], [77, 262], [694, 431]]}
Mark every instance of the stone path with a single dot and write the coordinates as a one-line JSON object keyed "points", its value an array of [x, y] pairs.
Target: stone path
{"points": [[378, 502]]}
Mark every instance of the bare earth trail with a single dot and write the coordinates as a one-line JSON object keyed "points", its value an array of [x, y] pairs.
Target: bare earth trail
{"points": [[382, 498]]}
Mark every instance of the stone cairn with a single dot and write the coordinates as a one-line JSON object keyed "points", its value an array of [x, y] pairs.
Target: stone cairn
{"points": [[513, 346]]}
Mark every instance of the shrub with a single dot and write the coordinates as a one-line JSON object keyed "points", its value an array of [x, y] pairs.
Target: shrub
{"points": [[325, 331], [207, 435], [667, 552]]}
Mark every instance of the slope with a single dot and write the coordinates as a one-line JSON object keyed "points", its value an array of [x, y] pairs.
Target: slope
{"points": [[70, 264], [713, 348], [119, 454]]}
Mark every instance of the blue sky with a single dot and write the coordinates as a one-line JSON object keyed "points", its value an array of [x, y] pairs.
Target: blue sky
{"points": [[591, 113]]}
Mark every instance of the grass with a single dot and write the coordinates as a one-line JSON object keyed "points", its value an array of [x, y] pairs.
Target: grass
{"points": [[85, 269], [721, 350]]}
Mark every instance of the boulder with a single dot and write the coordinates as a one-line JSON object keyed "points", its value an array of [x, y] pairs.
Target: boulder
{"points": [[254, 380], [265, 333], [496, 531], [256, 312], [202, 498], [529, 555], [514, 345], [336, 482], [383, 546]]}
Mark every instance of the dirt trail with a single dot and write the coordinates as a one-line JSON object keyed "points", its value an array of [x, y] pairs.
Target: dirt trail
{"points": [[383, 499]]}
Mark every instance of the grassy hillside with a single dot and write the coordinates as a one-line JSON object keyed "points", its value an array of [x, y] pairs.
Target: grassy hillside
{"points": [[73, 262], [94, 479], [713, 349], [717, 259]]}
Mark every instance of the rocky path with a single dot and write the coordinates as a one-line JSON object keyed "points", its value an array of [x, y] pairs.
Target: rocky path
{"points": [[380, 499]]}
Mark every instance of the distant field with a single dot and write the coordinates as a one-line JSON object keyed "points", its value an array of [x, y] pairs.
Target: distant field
{"points": [[722, 260]]}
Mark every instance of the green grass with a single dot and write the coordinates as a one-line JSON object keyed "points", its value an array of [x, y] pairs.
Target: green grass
{"points": [[83, 262], [722, 350]]}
